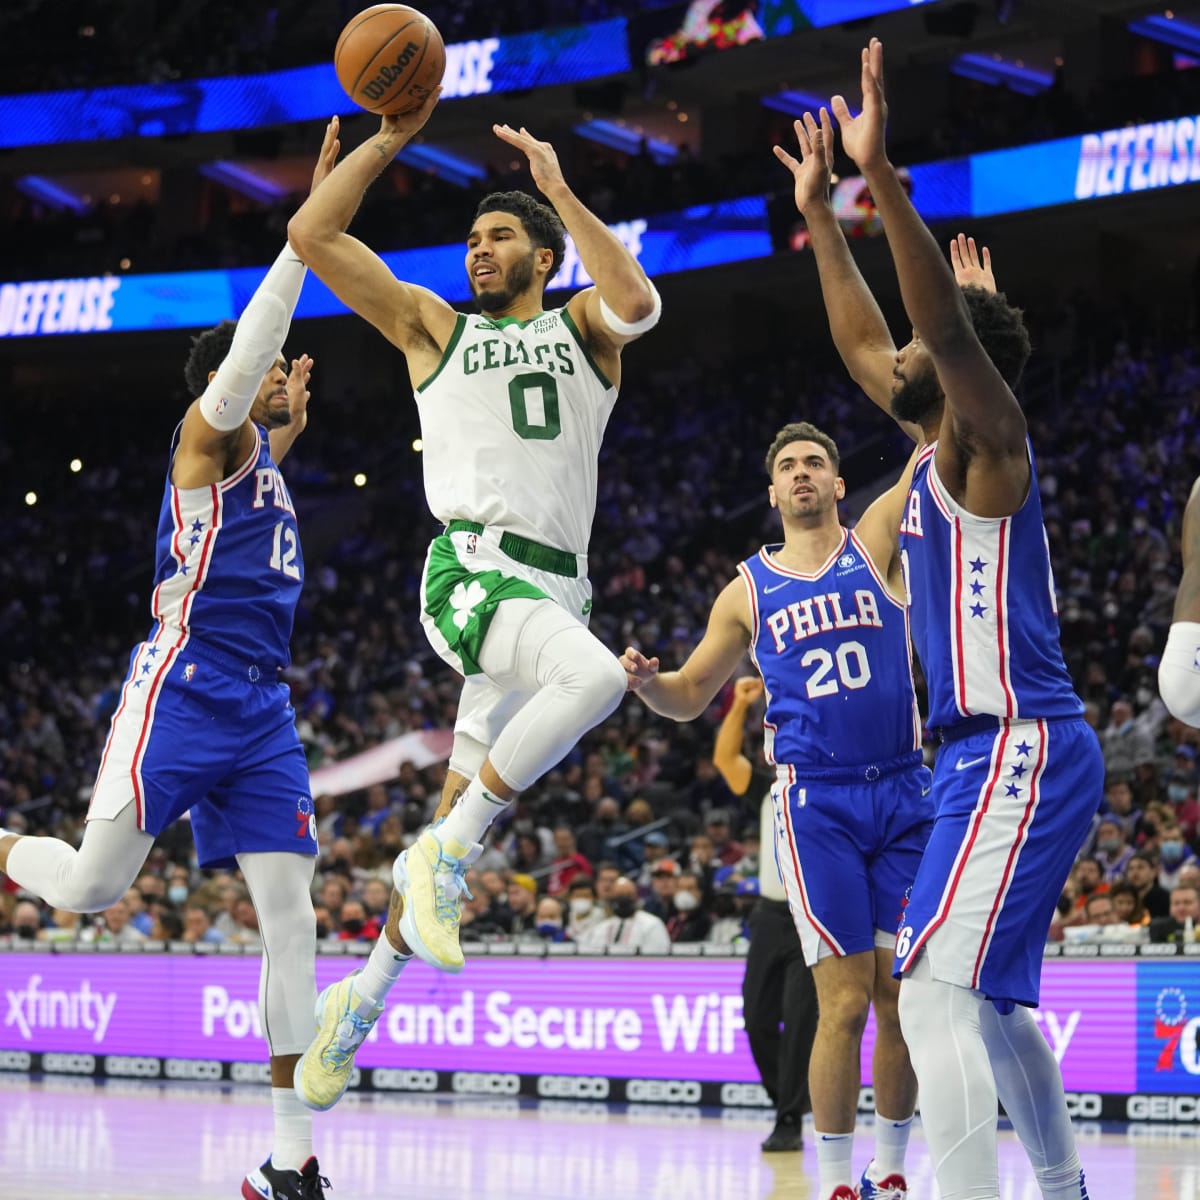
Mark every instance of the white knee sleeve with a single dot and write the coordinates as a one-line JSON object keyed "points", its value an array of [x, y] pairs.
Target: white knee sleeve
{"points": [[91, 878], [1179, 673], [534, 646], [287, 990], [467, 755]]}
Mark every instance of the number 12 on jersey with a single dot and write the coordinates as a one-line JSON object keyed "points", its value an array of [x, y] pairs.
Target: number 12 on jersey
{"points": [[283, 551]]}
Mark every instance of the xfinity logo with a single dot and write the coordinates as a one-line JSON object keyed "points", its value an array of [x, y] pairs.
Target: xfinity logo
{"points": [[573, 1087], [473, 1083], [663, 1091], [31, 1009]]}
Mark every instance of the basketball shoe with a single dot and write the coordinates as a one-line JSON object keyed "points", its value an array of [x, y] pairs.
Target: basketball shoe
{"points": [[324, 1068], [890, 1187], [430, 875], [270, 1183], [844, 1191]]}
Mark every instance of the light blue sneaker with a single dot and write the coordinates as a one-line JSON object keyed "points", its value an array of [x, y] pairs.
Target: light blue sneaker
{"points": [[324, 1069], [431, 876]]}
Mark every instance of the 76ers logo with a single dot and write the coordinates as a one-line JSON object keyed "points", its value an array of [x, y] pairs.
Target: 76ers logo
{"points": [[306, 822], [1170, 1025]]}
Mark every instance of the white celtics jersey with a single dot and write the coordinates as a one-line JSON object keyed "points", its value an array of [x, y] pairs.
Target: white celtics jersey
{"points": [[511, 425]]}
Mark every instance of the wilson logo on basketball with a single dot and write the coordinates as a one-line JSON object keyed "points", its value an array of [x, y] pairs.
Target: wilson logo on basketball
{"points": [[375, 89]]}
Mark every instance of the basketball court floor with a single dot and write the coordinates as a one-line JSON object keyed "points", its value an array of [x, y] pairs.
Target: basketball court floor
{"points": [[62, 1139]]}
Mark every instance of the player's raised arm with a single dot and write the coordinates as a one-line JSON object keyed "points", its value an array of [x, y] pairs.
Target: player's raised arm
{"points": [[983, 425], [410, 317], [731, 763], [859, 331], [624, 304], [684, 694]]}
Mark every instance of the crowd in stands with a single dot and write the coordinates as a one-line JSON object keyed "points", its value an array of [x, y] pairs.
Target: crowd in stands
{"points": [[634, 839]]}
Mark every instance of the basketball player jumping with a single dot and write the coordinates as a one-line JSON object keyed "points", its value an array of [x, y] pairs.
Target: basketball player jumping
{"points": [[1016, 782], [513, 404], [203, 721], [1179, 671], [824, 618]]}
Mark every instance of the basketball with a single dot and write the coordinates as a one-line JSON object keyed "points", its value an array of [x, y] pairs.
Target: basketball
{"points": [[389, 58]]}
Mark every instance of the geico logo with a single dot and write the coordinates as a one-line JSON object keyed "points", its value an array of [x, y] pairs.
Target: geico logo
{"points": [[192, 1068], [659, 1112], [391, 1080], [69, 1064], [663, 1091], [14, 1060], [574, 1110], [486, 1104], [573, 1087], [140, 1068], [1083, 1104], [250, 1073], [471, 1083], [745, 1095], [1163, 1108]]}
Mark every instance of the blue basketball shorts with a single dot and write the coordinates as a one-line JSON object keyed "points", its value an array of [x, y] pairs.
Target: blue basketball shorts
{"points": [[1014, 805], [196, 730], [848, 844]]}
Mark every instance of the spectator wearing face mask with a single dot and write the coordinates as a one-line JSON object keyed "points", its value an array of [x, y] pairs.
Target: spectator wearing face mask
{"points": [[629, 926], [584, 912], [1141, 873], [691, 922], [1174, 854], [356, 926], [1113, 850], [26, 921], [548, 921]]}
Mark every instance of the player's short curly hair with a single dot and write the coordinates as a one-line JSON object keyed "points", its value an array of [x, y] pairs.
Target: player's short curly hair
{"points": [[540, 220], [801, 431], [1001, 331], [209, 350]]}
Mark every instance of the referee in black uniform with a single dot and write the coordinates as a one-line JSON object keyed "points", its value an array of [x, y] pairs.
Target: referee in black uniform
{"points": [[778, 996]]}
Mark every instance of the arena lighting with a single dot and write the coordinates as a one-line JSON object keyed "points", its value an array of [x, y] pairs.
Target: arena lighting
{"points": [[31, 498], [47, 192], [453, 168], [76, 465], [626, 139], [418, 445], [983, 67], [794, 103], [1171, 31], [360, 480], [244, 181]]}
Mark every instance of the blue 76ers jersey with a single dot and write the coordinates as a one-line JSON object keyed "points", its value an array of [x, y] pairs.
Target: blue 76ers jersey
{"points": [[984, 616], [228, 568], [833, 651]]}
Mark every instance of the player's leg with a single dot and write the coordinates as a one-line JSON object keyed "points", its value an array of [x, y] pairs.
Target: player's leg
{"points": [[942, 1026], [532, 646], [89, 879], [1030, 1087], [279, 885], [903, 806]]}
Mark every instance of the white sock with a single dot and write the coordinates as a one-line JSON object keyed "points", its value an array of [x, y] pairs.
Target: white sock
{"points": [[833, 1160], [375, 980], [473, 815], [891, 1142], [293, 1130]]}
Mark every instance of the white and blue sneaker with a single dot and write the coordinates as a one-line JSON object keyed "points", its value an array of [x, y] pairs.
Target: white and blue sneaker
{"points": [[890, 1187], [324, 1069]]}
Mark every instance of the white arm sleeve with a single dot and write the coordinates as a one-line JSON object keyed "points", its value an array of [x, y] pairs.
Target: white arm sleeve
{"points": [[257, 341], [1179, 674], [633, 328]]}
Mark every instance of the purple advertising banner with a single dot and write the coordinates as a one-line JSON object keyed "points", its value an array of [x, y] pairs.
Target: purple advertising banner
{"points": [[643, 1018]]}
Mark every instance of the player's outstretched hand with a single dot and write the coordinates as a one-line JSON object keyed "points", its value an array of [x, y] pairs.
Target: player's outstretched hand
{"points": [[638, 668], [812, 173], [862, 136], [330, 149], [972, 268], [297, 390], [747, 689], [543, 161]]}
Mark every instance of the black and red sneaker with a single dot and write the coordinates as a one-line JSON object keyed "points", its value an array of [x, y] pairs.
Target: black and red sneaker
{"points": [[270, 1183]]}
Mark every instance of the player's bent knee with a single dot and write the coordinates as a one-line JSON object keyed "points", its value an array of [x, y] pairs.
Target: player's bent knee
{"points": [[1179, 687], [93, 895]]}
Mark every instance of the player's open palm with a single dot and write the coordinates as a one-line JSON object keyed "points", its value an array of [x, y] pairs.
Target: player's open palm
{"points": [[813, 170], [638, 668], [862, 136], [297, 389], [543, 161], [972, 266]]}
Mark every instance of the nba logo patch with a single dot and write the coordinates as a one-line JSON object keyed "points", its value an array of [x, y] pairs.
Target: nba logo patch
{"points": [[221, 405], [472, 542], [188, 672]]}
